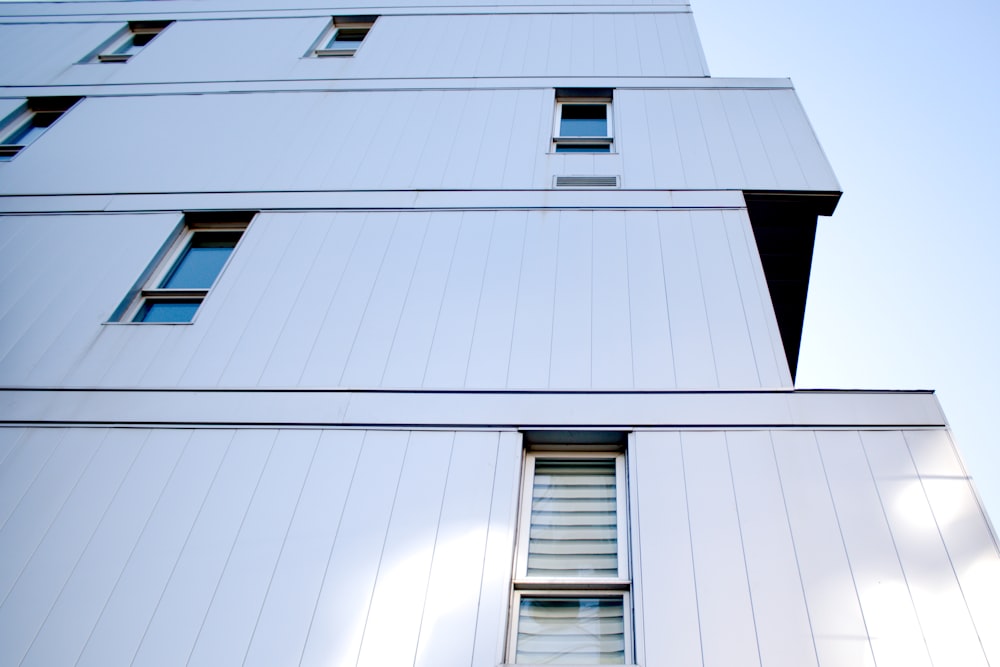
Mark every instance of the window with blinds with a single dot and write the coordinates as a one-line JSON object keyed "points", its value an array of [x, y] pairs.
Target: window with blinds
{"points": [[571, 593]]}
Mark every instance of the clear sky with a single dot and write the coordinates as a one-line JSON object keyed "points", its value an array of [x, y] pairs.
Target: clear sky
{"points": [[905, 289]]}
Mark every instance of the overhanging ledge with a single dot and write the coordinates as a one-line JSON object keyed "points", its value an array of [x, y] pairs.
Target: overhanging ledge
{"points": [[470, 409]]}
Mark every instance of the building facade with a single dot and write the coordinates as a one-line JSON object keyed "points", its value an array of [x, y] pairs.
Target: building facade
{"points": [[439, 334]]}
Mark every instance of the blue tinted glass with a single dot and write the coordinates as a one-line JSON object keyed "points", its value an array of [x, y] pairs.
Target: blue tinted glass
{"points": [[25, 134], [167, 311], [201, 262], [584, 120], [583, 148]]}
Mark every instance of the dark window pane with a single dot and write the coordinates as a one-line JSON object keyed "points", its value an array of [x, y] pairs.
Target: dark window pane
{"points": [[167, 311], [201, 262], [583, 148], [347, 38], [584, 120]]}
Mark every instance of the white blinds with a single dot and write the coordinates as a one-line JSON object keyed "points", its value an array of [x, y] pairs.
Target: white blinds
{"points": [[574, 524], [571, 631]]}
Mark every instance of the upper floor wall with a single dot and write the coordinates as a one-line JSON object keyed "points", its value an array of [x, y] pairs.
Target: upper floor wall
{"points": [[248, 46], [728, 138]]}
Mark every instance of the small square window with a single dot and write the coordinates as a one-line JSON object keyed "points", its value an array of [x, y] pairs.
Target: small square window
{"points": [[179, 280], [344, 35], [583, 122], [128, 41], [29, 122]]}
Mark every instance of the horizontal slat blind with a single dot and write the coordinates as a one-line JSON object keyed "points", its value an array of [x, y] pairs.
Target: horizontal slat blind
{"points": [[571, 631], [574, 524]]}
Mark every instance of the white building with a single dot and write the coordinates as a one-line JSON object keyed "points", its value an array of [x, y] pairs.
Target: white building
{"points": [[301, 307]]}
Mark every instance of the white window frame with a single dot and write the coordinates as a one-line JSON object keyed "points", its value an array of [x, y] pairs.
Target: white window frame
{"points": [[107, 52], [570, 140], [34, 109], [572, 587], [150, 292], [337, 23]]}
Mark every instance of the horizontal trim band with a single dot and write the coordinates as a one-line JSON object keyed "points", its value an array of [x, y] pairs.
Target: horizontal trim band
{"points": [[460, 409]]}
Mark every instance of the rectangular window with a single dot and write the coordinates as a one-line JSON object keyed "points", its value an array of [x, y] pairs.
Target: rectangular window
{"points": [[30, 121], [343, 36], [178, 281], [571, 594], [583, 121], [128, 41]]}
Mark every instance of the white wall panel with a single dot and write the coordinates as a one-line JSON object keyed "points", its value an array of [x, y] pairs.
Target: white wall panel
{"points": [[649, 311], [725, 611], [838, 626], [971, 545], [448, 299], [448, 361], [883, 590], [238, 595], [662, 557], [941, 605], [85, 590], [138, 590], [171, 633], [427, 139], [36, 54], [781, 620]]}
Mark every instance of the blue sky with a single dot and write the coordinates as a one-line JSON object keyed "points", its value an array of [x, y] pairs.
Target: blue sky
{"points": [[905, 290]]}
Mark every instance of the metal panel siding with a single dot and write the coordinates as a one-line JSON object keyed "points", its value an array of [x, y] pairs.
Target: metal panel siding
{"points": [[781, 619], [942, 609], [971, 545], [838, 626], [174, 546], [886, 599], [663, 558], [36, 54], [447, 299], [427, 139]]}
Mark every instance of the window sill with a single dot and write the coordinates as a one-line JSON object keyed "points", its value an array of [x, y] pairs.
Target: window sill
{"points": [[327, 53]]}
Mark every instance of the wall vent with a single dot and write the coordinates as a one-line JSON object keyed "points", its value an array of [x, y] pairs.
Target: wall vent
{"points": [[586, 181]]}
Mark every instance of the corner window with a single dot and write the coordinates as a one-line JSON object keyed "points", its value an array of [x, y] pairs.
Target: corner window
{"points": [[29, 122], [343, 36], [178, 282], [571, 594], [583, 122], [129, 41]]}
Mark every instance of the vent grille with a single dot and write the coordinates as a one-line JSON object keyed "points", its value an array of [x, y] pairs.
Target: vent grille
{"points": [[586, 181]]}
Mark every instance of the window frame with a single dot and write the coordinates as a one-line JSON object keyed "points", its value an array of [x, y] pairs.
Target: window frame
{"points": [[321, 48], [599, 143], [40, 112], [165, 263], [108, 51], [523, 585]]}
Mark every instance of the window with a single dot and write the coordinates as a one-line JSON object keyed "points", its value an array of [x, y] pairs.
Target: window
{"points": [[571, 594], [343, 36], [129, 41], [583, 121], [29, 122], [179, 280]]}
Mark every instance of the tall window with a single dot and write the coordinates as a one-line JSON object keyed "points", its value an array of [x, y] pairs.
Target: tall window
{"points": [[30, 121], [583, 122], [178, 283], [344, 35], [129, 41], [571, 594]]}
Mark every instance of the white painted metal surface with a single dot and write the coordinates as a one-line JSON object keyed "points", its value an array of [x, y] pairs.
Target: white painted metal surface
{"points": [[323, 468]]}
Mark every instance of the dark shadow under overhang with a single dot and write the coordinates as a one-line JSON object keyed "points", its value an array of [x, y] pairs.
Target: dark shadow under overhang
{"points": [[784, 226]]}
